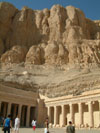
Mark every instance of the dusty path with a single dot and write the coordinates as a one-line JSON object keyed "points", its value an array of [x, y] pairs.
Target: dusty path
{"points": [[41, 130]]}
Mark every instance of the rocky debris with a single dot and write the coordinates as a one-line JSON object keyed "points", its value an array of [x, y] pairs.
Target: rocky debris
{"points": [[51, 81], [35, 55], [85, 52], [15, 55], [56, 54], [54, 49]]}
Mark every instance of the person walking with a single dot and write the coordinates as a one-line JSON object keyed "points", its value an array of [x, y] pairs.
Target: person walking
{"points": [[17, 124], [70, 128], [7, 124], [46, 129], [34, 124]]}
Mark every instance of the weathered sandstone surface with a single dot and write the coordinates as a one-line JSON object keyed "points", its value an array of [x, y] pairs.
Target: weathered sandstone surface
{"points": [[55, 52]]}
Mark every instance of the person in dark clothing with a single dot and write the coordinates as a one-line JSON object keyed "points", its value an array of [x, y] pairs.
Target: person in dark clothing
{"points": [[7, 124], [70, 128], [46, 130]]}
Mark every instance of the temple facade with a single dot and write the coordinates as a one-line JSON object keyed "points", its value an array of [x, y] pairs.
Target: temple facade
{"points": [[82, 110], [18, 102]]}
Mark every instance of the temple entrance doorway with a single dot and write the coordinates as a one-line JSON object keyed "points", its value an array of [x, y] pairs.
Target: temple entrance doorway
{"points": [[23, 115], [67, 114], [32, 114], [52, 115], [4, 107]]}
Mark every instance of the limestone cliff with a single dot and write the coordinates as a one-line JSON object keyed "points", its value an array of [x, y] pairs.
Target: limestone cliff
{"points": [[55, 52]]}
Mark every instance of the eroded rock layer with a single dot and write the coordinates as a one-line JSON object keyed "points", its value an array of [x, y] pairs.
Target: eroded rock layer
{"points": [[46, 50]]}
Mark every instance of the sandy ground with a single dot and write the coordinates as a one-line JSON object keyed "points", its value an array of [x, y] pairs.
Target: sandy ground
{"points": [[41, 130]]}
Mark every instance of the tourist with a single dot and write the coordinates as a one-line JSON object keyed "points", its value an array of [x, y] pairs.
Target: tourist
{"points": [[7, 124], [70, 128], [17, 124], [34, 124], [46, 130]]}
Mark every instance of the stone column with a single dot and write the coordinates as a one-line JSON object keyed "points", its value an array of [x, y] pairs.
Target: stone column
{"points": [[71, 113], [19, 111], [80, 113], [55, 115], [9, 109], [63, 115], [90, 107], [49, 114], [99, 112], [28, 116], [4, 111]]}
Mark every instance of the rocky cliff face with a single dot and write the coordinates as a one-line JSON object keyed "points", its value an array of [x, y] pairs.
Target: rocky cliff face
{"points": [[53, 43]]}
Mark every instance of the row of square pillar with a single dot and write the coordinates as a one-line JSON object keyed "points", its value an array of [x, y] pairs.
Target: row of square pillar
{"points": [[80, 109], [19, 112]]}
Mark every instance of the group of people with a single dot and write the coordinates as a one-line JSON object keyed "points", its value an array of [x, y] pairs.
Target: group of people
{"points": [[8, 124]]}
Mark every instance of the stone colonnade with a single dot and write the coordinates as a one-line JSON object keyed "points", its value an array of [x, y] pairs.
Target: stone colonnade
{"points": [[82, 114], [23, 111], [18, 102]]}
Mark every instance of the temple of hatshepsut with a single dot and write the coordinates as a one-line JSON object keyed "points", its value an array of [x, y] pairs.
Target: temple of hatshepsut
{"points": [[19, 102], [49, 66], [82, 110], [26, 105]]}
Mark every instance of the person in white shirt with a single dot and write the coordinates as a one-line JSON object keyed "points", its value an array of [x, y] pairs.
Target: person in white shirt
{"points": [[46, 129], [17, 123], [34, 124]]}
